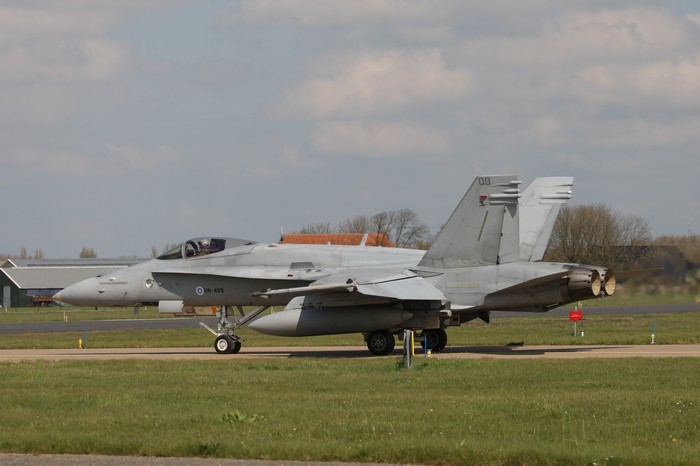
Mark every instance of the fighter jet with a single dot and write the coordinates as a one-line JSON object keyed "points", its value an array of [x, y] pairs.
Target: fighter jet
{"points": [[475, 265]]}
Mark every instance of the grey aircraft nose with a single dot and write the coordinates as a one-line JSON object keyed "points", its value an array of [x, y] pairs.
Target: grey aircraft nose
{"points": [[84, 293]]}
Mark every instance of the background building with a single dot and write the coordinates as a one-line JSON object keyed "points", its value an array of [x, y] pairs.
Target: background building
{"points": [[32, 282], [340, 239]]}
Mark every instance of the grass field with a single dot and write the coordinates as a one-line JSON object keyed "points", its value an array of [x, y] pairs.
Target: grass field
{"points": [[584, 411], [633, 411], [538, 330]]}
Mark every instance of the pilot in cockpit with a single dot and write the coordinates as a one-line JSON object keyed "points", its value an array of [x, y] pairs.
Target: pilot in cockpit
{"points": [[203, 245]]}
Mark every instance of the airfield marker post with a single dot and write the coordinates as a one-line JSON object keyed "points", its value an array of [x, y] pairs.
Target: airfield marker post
{"points": [[575, 316], [407, 348]]}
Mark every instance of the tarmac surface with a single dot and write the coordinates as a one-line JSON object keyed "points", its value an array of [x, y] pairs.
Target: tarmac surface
{"points": [[355, 352]]}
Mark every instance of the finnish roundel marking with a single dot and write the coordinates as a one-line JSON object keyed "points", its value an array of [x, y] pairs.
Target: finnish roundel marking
{"points": [[199, 290]]}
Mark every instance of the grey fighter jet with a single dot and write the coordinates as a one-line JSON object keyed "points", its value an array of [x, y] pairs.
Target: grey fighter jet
{"points": [[476, 265]]}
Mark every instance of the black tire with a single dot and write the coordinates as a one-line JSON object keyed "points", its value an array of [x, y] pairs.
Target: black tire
{"points": [[436, 340], [224, 344], [381, 342], [236, 347], [442, 340]]}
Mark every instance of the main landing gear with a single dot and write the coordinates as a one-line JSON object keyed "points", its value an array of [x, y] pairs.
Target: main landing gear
{"points": [[382, 342], [227, 342], [434, 340]]}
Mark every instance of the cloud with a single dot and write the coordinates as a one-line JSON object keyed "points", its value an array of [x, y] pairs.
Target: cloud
{"points": [[310, 13], [662, 84], [140, 159], [19, 24], [376, 84], [63, 61], [293, 157], [114, 160], [376, 139], [50, 56]]}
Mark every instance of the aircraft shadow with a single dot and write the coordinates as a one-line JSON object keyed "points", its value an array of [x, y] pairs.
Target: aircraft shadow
{"points": [[511, 351], [520, 350]]}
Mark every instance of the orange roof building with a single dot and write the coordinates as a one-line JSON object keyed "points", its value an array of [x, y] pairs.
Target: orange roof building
{"points": [[340, 239]]}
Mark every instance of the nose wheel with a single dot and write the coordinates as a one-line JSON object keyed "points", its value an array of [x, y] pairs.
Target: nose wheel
{"points": [[225, 344]]}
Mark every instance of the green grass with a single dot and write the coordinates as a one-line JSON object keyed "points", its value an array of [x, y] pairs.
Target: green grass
{"points": [[671, 328], [627, 411], [632, 411], [53, 314], [625, 298]]}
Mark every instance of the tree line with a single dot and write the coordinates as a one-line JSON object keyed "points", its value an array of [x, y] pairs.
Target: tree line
{"points": [[403, 228], [589, 234]]}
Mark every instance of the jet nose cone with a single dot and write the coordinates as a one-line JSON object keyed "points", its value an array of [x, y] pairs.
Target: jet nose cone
{"points": [[83, 293]]}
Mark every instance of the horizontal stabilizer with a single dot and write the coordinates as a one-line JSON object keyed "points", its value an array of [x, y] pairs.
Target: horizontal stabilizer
{"points": [[406, 286], [532, 283]]}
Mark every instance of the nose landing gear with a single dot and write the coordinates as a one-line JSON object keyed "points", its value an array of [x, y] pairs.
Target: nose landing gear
{"points": [[227, 342]]}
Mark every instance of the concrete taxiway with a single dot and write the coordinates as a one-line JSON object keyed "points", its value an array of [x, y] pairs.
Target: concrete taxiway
{"points": [[356, 352]]}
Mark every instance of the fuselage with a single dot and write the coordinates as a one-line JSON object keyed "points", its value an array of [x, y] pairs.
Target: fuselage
{"points": [[229, 276]]}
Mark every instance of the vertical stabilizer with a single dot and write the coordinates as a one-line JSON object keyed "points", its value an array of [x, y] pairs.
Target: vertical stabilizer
{"points": [[539, 207], [483, 229]]}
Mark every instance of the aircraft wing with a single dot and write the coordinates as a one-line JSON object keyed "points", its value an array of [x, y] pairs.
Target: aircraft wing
{"points": [[358, 285], [354, 301]]}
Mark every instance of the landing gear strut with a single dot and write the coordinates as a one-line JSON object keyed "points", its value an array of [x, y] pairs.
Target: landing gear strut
{"points": [[227, 342]]}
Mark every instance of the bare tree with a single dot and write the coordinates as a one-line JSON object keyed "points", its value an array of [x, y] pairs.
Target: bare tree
{"points": [[316, 229], [595, 234], [402, 227], [356, 224], [380, 224], [407, 230]]}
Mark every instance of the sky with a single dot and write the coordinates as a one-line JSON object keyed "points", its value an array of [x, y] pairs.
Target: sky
{"points": [[127, 124]]}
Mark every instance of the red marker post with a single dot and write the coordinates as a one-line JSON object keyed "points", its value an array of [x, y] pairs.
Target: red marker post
{"points": [[575, 316]]}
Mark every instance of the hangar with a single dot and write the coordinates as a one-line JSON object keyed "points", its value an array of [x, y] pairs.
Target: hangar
{"points": [[32, 282]]}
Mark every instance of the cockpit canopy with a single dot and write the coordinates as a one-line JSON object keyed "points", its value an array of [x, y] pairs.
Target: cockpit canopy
{"points": [[197, 247]]}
